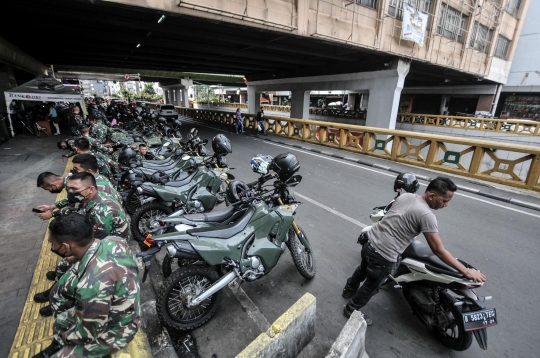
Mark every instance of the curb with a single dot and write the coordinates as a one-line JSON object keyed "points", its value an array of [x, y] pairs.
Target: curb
{"points": [[288, 335], [516, 202], [351, 341]]}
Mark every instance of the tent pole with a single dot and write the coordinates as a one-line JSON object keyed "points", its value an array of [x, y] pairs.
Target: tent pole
{"points": [[11, 125]]}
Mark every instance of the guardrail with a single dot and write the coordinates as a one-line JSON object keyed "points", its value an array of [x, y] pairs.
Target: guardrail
{"points": [[513, 126], [508, 164]]}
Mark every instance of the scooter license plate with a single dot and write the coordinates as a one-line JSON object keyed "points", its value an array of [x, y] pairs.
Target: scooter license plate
{"points": [[479, 319]]}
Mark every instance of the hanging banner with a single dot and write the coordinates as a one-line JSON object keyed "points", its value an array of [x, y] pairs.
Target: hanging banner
{"points": [[414, 25]]}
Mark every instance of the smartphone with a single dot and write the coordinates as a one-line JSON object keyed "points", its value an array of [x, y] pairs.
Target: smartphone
{"points": [[34, 210]]}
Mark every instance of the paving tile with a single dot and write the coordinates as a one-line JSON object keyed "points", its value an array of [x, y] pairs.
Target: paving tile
{"points": [[16, 282]]}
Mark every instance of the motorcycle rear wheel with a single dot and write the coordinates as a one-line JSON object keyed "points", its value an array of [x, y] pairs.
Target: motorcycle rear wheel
{"points": [[168, 262], [303, 258], [183, 285], [145, 216], [454, 335]]}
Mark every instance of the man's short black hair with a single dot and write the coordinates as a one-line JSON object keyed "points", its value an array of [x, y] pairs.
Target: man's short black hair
{"points": [[87, 178], [142, 145], [72, 227], [46, 178], [82, 127], [442, 185], [59, 144], [82, 143], [86, 161]]}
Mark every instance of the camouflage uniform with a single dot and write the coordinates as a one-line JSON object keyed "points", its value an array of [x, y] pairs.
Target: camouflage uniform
{"points": [[99, 131], [103, 185], [75, 119], [121, 136], [96, 304], [106, 213], [115, 156], [100, 115], [106, 166]]}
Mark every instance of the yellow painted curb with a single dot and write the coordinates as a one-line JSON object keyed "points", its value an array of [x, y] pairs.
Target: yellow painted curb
{"points": [[255, 348], [35, 332]]}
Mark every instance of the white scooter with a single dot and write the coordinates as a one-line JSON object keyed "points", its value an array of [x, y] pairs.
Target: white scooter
{"points": [[440, 296]]}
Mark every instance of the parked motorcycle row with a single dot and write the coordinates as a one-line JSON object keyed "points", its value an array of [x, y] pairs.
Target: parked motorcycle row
{"points": [[172, 196], [172, 203]]}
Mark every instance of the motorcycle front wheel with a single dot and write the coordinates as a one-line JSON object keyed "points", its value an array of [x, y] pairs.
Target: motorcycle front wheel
{"points": [[180, 288], [146, 217], [453, 334], [132, 203], [302, 257]]}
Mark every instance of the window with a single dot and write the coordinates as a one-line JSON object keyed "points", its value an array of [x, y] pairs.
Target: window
{"points": [[480, 37], [395, 7], [370, 3], [512, 7], [501, 49], [451, 23]]}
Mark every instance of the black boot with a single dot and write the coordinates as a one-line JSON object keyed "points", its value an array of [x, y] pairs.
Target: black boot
{"points": [[51, 275], [46, 311], [42, 296], [49, 351]]}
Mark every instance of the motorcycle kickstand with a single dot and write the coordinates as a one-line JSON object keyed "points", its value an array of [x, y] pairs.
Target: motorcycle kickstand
{"points": [[397, 285]]}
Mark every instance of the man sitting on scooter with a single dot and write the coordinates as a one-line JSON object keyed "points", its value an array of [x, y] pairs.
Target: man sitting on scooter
{"points": [[410, 215]]}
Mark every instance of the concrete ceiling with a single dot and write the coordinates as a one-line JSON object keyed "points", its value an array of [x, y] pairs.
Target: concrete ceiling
{"points": [[101, 37]]}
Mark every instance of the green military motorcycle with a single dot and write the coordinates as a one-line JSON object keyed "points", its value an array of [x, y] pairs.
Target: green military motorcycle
{"points": [[199, 188], [245, 249]]}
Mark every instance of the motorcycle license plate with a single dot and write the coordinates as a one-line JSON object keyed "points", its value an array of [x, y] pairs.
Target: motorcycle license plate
{"points": [[479, 319]]}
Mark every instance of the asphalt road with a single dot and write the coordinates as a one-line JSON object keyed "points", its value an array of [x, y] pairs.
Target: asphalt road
{"points": [[498, 238]]}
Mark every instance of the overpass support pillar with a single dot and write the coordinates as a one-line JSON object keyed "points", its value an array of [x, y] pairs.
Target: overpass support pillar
{"points": [[254, 100], [384, 97], [300, 104], [185, 99], [177, 97]]}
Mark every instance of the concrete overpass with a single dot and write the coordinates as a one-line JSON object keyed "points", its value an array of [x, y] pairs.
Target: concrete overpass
{"points": [[269, 43]]}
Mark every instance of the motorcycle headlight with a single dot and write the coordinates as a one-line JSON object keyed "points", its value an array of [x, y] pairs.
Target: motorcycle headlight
{"points": [[139, 190]]}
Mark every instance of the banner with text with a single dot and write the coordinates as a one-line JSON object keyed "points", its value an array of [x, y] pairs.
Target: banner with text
{"points": [[414, 25]]}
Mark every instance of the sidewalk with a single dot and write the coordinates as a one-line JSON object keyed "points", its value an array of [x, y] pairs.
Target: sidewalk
{"points": [[22, 159]]}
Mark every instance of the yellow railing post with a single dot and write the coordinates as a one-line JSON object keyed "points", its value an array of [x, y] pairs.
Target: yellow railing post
{"points": [[476, 161], [534, 173]]}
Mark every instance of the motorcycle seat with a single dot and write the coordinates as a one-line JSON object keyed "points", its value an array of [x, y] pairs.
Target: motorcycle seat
{"points": [[213, 216], [417, 250], [182, 182], [224, 231], [159, 162], [162, 167]]}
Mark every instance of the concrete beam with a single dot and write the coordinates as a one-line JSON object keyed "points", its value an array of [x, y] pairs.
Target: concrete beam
{"points": [[13, 56], [288, 335], [351, 341]]}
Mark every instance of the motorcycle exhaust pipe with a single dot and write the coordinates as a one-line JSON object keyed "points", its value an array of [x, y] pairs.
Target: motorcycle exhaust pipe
{"points": [[183, 251], [222, 282]]}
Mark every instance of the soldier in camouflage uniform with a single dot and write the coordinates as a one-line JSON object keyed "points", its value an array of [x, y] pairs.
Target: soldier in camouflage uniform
{"points": [[96, 145], [88, 163], [106, 166], [108, 214], [98, 130], [96, 304], [75, 119]]}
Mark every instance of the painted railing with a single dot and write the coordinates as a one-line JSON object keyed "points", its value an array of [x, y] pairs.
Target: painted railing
{"points": [[513, 126], [513, 165]]}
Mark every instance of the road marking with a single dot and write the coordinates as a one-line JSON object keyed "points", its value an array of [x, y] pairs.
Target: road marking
{"points": [[335, 212], [250, 307]]}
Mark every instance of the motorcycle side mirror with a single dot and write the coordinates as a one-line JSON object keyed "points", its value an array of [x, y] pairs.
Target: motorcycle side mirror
{"points": [[166, 144], [294, 180]]}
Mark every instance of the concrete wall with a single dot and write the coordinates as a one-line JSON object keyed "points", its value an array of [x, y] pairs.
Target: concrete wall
{"points": [[351, 341]]}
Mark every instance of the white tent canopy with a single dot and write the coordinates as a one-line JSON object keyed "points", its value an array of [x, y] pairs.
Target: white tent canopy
{"points": [[42, 89]]}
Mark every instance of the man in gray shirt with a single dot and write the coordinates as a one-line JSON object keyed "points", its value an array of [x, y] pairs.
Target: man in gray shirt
{"points": [[410, 215]]}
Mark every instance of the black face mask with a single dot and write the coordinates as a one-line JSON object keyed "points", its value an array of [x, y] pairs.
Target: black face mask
{"points": [[76, 196], [55, 191], [58, 251], [73, 171]]}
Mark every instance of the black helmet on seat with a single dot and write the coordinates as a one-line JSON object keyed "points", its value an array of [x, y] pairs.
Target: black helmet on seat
{"points": [[406, 182], [159, 177], [221, 145], [126, 156], [284, 165]]}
